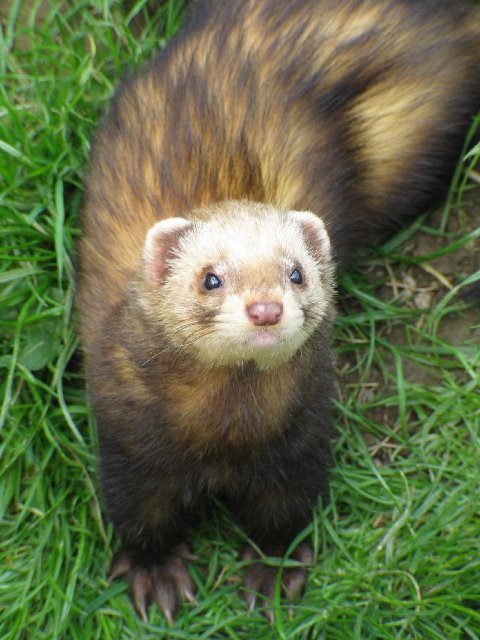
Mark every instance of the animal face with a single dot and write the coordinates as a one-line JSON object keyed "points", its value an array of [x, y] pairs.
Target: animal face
{"points": [[247, 283]]}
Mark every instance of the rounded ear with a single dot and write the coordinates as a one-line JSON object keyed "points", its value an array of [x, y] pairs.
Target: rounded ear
{"points": [[315, 234], [161, 240]]}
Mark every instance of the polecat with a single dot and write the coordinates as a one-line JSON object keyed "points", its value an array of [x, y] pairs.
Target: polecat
{"points": [[205, 285]]}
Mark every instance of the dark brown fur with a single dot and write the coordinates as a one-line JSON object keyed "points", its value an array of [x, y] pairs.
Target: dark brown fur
{"points": [[353, 109]]}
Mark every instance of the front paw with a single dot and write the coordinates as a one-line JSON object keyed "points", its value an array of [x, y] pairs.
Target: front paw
{"points": [[165, 580], [260, 578]]}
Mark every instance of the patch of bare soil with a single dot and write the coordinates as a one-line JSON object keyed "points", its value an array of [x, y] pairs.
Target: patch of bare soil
{"points": [[421, 287]]}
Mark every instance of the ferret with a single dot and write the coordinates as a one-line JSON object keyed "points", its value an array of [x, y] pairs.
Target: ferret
{"points": [[256, 155]]}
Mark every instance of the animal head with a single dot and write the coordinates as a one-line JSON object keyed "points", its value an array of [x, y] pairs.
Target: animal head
{"points": [[239, 281]]}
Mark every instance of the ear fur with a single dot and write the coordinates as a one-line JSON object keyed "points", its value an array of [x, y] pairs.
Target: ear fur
{"points": [[315, 235], [161, 239]]}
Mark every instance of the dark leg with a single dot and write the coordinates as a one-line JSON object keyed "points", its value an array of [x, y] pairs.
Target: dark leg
{"points": [[273, 513], [149, 514]]}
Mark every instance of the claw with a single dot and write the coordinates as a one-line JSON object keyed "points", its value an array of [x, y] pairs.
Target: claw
{"points": [[164, 594], [183, 581], [163, 580], [189, 596], [251, 601], [140, 588], [186, 553], [294, 583], [249, 554], [140, 608], [304, 553], [169, 616], [122, 564], [260, 579], [270, 615]]}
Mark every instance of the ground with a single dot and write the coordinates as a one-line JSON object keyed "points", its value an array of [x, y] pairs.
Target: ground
{"points": [[396, 547]]}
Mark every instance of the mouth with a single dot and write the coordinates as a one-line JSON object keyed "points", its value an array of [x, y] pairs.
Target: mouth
{"points": [[264, 339]]}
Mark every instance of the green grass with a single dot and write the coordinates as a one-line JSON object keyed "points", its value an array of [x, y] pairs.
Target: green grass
{"points": [[398, 547]]}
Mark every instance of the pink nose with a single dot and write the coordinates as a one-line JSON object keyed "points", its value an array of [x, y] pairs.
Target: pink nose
{"points": [[263, 313]]}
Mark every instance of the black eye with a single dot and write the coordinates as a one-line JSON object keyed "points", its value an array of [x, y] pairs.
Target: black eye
{"points": [[296, 277], [211, 281]]}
